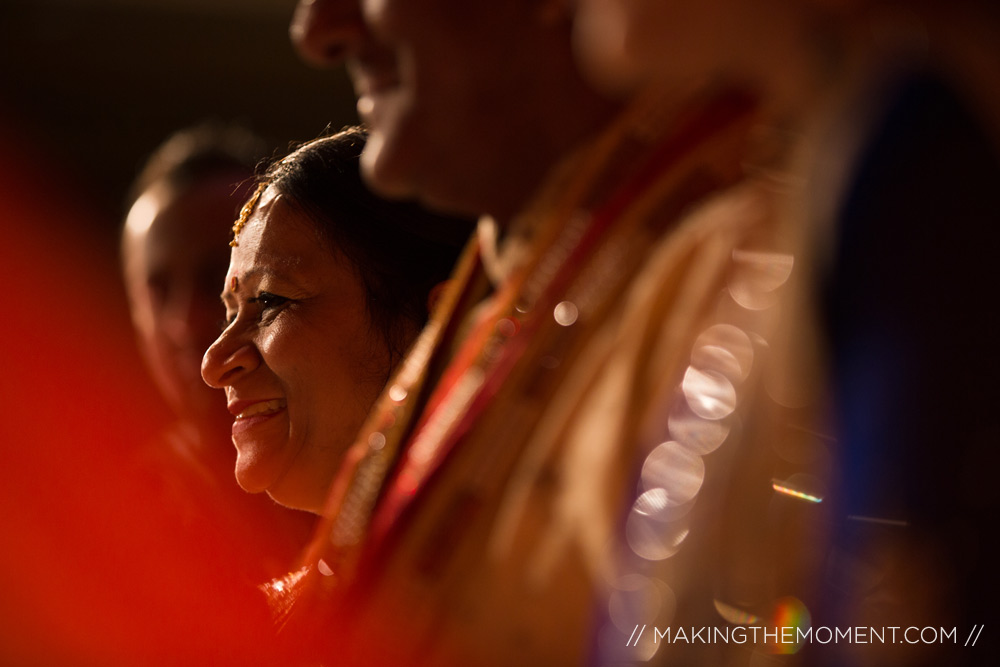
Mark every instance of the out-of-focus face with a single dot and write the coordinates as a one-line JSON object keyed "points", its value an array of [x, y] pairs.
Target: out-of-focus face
{"points": [[300, 361], [624, 43], [174, 256], [444, 86], [686, 45]]}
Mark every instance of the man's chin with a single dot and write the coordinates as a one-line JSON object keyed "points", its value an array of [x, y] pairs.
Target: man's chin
{"points": [[382, 173]]}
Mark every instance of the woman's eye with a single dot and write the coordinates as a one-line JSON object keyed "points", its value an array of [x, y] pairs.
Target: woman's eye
{"points": [[268, 300]]}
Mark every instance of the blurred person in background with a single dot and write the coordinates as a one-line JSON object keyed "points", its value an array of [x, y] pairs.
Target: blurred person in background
{"points": [[96, 567], [893, 113]]}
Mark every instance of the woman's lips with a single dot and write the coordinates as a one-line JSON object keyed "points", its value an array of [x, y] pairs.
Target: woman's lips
{"points": [[256, 413], [262, 408]]}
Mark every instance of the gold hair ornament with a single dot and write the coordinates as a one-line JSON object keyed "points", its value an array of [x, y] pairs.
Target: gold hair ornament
{"points": [[245, 213]]}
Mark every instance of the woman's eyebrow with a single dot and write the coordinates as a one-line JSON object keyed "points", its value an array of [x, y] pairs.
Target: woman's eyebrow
{"points": [[233, 286]]}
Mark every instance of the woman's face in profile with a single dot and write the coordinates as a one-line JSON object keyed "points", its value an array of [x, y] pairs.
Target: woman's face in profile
{"points": [[299, 359]]}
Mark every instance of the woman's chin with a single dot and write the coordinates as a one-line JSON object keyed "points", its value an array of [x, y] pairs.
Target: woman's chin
{"points": [[260, 471], [255, 473], [295, 501]]}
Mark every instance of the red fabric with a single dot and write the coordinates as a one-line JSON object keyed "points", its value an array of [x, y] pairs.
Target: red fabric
{"points": [[89, 572]]}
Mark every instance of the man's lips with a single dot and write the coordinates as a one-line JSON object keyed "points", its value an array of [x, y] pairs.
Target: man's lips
{"points": [[372, 78]]}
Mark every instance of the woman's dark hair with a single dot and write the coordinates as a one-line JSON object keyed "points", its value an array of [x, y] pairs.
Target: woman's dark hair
{"points": [[400, 250]]}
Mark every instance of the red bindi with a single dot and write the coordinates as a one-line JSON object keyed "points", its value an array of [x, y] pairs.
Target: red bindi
{"points": [[234, 283]]}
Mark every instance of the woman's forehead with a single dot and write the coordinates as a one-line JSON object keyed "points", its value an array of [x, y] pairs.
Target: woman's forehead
{"points": [[279, 237]]}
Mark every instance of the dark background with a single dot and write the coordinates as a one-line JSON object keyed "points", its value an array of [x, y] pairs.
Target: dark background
{"points": [[89, 87]]}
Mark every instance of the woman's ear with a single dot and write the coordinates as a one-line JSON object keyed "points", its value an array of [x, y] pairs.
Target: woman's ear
{"points": [[435, 295]]}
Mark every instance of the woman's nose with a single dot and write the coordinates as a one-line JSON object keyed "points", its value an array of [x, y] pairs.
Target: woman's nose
{"points": [[230, 357], [325, 31]]}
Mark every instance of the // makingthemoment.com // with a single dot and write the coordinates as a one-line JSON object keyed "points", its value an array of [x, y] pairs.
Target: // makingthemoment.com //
{"points": [[756, 634]]}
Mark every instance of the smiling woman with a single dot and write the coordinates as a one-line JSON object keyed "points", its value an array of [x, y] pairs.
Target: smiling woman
{"points": [[327, 287]]}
